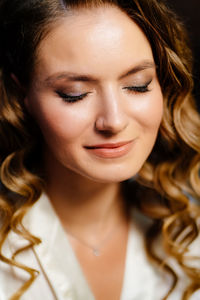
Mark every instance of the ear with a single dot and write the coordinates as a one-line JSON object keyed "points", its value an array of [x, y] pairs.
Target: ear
{"points": [[19, 85], [16, 80], [26, 104]]}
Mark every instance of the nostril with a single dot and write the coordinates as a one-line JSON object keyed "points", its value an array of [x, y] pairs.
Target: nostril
{"points": [[111, 125]]}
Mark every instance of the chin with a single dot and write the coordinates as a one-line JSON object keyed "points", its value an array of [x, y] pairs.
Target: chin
{"points": [[113, 176]]}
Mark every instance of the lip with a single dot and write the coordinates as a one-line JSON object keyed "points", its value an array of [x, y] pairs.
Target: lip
{"points": [[111, 150]]}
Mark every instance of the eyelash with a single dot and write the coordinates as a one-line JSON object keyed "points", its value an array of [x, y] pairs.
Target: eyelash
{"points": [[139, 89], [72, 99]]}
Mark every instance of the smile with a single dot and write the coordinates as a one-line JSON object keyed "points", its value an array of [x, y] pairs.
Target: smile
{"points": [[111, 150]]}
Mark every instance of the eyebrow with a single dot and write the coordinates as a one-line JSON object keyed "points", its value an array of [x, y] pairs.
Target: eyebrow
{"points": [[146, 64]]}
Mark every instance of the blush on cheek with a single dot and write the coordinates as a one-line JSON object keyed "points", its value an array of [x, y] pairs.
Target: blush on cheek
{"points": [[62, 123], [149, 111]]}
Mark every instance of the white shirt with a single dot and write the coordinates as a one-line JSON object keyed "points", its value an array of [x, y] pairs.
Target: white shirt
{"points": [[61, 276]]}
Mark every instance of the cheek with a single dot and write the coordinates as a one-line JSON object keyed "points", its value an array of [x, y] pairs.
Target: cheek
{"points": [[61, 122], [149, 111]]}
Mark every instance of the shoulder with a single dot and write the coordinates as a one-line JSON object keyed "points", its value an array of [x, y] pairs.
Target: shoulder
{"points": [[154, 276], [13, 278]]}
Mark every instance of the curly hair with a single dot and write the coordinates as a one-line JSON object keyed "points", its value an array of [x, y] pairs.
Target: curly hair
{"points": [[169, 177]]}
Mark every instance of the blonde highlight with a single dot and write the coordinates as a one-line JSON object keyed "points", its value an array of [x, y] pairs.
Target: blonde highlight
{"points": [[166, 181]]}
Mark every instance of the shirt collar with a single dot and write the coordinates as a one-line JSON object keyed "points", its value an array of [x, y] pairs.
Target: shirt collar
{"points": [[55, 253]]}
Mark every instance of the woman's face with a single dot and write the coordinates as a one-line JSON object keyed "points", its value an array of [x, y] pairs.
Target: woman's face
{"points": [[95, 95]]}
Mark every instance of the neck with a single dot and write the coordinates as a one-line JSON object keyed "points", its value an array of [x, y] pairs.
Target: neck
{"points": [[84, 206]]}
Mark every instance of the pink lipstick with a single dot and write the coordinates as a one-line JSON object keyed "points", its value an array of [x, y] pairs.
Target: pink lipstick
{"points": [[111, 150]]}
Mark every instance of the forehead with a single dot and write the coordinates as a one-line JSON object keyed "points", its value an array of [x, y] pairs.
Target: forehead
{"points": [[88, 39]]}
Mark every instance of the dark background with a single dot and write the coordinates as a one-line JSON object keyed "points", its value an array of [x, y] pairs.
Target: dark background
{"points": [[189, 10]]}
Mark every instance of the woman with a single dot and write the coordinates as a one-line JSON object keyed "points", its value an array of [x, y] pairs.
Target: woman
{"points": [[99, 152]]}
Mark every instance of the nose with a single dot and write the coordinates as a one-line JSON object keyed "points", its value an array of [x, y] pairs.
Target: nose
{"points": [[112, 117]]}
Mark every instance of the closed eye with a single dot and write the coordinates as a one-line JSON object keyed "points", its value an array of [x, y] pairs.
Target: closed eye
{"points": [[71, 98], [139, 88]]}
